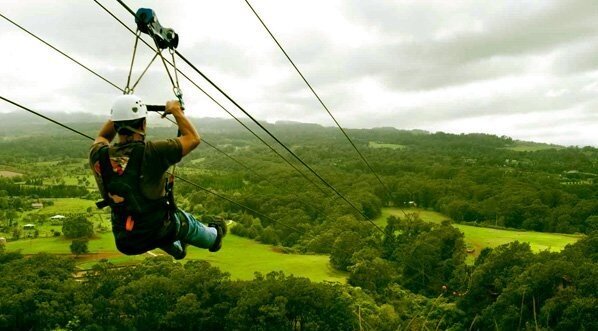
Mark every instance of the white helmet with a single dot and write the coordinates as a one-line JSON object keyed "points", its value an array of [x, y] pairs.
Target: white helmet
{"points": [[128, 107]]}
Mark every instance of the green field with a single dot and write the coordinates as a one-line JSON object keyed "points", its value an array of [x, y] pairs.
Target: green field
{"points": [[528, 146], [9, 174], [239, 256], [480, 237], [68, 206], [62, 206], [242, 257], [373, 144]]}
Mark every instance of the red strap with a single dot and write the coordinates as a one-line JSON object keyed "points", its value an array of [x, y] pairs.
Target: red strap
{"points": [[129, 224]]}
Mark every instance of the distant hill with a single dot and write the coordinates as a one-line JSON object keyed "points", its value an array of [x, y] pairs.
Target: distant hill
{"points": [[23, 123], [23, 118]]}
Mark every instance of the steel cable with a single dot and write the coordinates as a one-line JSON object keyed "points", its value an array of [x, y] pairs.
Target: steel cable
{"points": [[321, 102], [267, 131], [114, 85], [218, 103], [180, 178]]}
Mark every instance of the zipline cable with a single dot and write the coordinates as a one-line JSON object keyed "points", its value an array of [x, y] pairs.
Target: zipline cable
{"points": [[61, 52], [240, 205], [267, 131], [122, 90], [321, 102], [45, 117], [116, 86], [217, 103], [180, 178], [203, 140]]}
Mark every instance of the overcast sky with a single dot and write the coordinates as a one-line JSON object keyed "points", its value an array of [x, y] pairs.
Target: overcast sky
{"points": [[526, 69]]}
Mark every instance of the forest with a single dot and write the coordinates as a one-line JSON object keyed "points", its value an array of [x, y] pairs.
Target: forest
{"points": [[508, 288], [407, 274]]}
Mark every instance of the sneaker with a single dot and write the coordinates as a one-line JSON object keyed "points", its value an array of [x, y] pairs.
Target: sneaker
{"points": [[183, 253], [177, 249], [221, 229]]}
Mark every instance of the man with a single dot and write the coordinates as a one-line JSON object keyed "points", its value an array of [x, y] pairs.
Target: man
{"points": [[131, 177]]}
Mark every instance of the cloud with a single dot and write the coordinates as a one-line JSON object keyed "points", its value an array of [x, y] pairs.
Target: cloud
{"points": [[495, 40], [434, 65], [577, 58]]}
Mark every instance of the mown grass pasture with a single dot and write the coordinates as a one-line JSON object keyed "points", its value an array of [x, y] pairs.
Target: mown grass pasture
{"points": [[481, 237], [243, 257], [528, 146], [67, 206], [239, 256], [373, 144], [9, 174]]}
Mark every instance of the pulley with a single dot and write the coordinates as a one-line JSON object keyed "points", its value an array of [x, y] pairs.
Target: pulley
{"points": [[148, 23]]}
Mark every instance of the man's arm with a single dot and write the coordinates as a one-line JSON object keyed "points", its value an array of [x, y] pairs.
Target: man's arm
{"points": [[189, 137], [107, 133]]}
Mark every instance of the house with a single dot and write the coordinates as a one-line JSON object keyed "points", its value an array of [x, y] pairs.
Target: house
{"points": [[37, 205], [57, 219], [29, 226]]}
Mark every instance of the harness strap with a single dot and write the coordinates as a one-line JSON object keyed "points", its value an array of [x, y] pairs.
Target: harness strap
{"points": [[107, 173]]}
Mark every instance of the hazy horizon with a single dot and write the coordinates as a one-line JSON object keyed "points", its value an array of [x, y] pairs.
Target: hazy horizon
{"points": [[520, 68], [155, 121]]}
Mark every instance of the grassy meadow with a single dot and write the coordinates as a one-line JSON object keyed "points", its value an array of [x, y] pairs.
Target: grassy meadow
{"points": [[61, 206], [239, 256], [373, 144], [243, 257], [480, 237], [528, 146], [67, 206], [9, 174]]}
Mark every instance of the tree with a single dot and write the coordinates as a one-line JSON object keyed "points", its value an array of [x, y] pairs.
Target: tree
{"points": [[343, 248], [591, 224], [494, 270], [434, 259], [77, 227], [372, 275], [400, 233], [79, 246], [269, 236], [16, 233]]}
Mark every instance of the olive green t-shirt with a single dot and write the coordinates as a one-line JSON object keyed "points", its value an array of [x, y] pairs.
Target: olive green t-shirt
{"points": [[158, 157]]}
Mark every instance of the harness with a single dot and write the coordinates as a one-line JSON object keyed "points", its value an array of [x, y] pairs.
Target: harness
{"points": [[164, 38], [139, 224]]}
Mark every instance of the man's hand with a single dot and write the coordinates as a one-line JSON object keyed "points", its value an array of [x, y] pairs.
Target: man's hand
{"points": [[173, 107], [189, 137], [106, 134]]}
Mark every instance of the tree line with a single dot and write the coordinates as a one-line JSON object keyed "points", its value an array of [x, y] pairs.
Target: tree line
{"points": [[508, 288], [411, 276]]}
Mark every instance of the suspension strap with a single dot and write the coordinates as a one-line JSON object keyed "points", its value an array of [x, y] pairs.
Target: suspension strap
{"points": [[144, 71], [175, 82], [148, 23], [128, 90]]}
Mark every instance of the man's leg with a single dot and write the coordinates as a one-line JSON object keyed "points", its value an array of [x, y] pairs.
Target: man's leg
{"points": [[195, 233], [175, 249]]}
